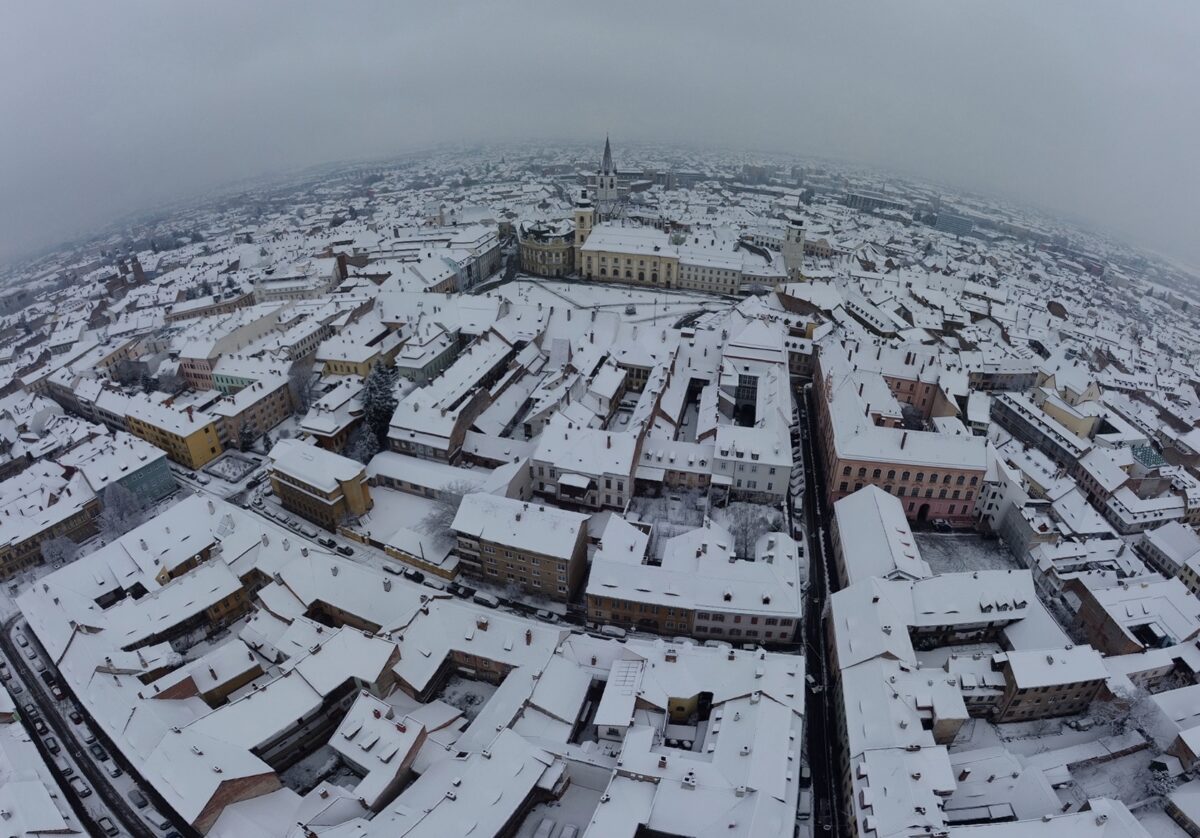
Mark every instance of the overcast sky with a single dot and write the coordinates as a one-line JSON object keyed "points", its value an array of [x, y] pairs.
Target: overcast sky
{"points": [[1088, 108]]}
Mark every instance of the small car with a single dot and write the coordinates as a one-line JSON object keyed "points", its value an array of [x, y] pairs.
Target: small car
{"points": [[81, 788], [137, 798], [52, 745], [345, 549], [98, 752], [107, 826]]}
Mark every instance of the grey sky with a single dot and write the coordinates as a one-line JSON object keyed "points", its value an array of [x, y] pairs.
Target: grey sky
{"points": [[1089, 108]]}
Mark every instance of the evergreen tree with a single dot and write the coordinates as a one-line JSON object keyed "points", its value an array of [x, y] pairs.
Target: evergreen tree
{"points": [[379, 400]]}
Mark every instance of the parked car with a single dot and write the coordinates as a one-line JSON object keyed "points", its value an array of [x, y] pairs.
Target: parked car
{"points": [[15, 688], [89, 738], [326, 541], [613, 631], [81, 788], [21, 641], [137, 798], [52, 745], [486, 600], [414, 575], [345, 549], [57, 692], [31, 653], [98, 752], [394, 569], [107, 826], [545, 828], [40, 726], [436, 584], [113, 770], [75, 716], [804, 807]]}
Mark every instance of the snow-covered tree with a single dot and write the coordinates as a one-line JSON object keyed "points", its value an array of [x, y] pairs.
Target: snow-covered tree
{"points": [[379, 400], [438, 520], [121, 511], [362, 445], [245, 437], [300, 382], [59, 550]]}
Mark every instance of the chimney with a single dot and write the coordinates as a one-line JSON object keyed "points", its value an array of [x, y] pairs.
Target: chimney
{"points": [[903, 439], [528, 637], [608, 441]]}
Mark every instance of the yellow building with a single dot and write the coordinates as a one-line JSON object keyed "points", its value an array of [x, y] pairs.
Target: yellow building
{"points": [[547, 248], [326, 488], [637, 255], [189, 437]]}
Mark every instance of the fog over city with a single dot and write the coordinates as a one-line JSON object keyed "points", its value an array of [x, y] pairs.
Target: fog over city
{"points": [[1088, 109]]}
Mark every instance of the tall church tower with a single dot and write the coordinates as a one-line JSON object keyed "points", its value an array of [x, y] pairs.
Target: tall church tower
{"points": [[607, 193], [793, 249], [585, 216]]}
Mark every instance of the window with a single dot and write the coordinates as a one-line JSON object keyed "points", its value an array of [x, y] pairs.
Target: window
{"points": [[920, 477]]}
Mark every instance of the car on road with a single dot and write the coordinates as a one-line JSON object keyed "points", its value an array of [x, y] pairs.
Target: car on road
{"points": [[98, 751], [52, 745], [804, 807], [107, 826], [486, 600], [137, 798], [81, 788]]}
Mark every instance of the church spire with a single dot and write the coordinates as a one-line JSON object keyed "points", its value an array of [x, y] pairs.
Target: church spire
{"points": [[606, 165]]}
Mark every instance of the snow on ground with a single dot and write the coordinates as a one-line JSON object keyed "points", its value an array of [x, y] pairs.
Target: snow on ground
{"points": [[955, 552], [232, 466], [576, 807], [314, 768], [1123, 779], [650, 305], [1158, 823], [466, 694]]}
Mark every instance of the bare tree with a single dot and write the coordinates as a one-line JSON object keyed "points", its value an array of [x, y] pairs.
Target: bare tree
{"points": [[439, 520], [122, 511], [746, 522], [59, 550], [171, 382]]}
